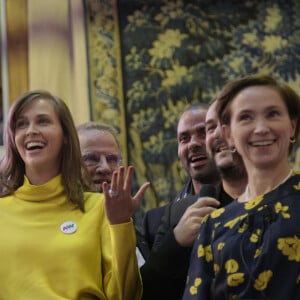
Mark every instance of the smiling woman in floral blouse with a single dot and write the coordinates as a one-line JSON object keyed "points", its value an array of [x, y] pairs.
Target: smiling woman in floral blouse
{"points": [[251, 248]]}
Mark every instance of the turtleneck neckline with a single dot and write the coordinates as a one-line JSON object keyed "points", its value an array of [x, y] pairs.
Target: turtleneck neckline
{"points": [[38, 193]]}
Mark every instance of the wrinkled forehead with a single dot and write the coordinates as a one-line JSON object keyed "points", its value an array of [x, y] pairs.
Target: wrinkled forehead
{"points": [[191, 118], [100, 140]]}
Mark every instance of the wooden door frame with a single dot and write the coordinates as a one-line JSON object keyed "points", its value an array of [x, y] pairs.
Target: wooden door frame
{"points": [[17, 48]]}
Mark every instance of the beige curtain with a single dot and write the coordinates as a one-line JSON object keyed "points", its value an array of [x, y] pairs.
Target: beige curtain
{"points": [[57, 52]]}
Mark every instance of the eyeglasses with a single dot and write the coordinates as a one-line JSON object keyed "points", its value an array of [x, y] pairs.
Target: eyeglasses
{"points": [[92, 159]]}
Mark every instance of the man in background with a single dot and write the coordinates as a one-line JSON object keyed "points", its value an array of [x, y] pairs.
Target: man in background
{"points": [[229, 163], [193, 157], [157, 273], [101, 152], [164, 274]]}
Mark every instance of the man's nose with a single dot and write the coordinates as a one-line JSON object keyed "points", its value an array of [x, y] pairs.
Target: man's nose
{"points": [[217, 132], [103, 165], [197, 141]]}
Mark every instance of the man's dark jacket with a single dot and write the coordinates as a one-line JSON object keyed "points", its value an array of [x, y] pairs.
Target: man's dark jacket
{"points": [[164, 273]]}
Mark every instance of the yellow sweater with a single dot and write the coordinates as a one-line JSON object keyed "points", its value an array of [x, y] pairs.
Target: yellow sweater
{"points": [[50, 250]]}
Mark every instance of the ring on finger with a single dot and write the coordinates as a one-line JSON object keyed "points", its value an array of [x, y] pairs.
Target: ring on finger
{"points": [[113, 193]]}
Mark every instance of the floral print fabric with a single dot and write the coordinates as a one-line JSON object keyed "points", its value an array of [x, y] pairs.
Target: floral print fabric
{"points": [[250, 250]]}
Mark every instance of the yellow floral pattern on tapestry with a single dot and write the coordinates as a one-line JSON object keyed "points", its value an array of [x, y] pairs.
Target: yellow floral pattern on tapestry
{"points": [[149, 60]]}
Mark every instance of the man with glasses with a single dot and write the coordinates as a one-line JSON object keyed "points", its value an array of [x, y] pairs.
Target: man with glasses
{"points": [[101, 152]]}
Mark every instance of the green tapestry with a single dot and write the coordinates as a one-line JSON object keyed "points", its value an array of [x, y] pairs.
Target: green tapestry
{"points": [[149, 60]]}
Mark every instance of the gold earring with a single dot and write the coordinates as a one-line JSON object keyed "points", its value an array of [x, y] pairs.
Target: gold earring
{"points": [[292, 140]]}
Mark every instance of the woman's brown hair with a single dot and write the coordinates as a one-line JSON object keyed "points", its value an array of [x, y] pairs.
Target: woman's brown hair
{"points": [[12, 167], [230, 91]]}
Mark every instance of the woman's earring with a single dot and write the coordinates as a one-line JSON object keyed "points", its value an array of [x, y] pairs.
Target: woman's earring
{"points": [[232, 149], [292, 140]]}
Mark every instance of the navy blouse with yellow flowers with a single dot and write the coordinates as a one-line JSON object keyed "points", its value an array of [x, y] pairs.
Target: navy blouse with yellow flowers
{"points": [[249, 250]]}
